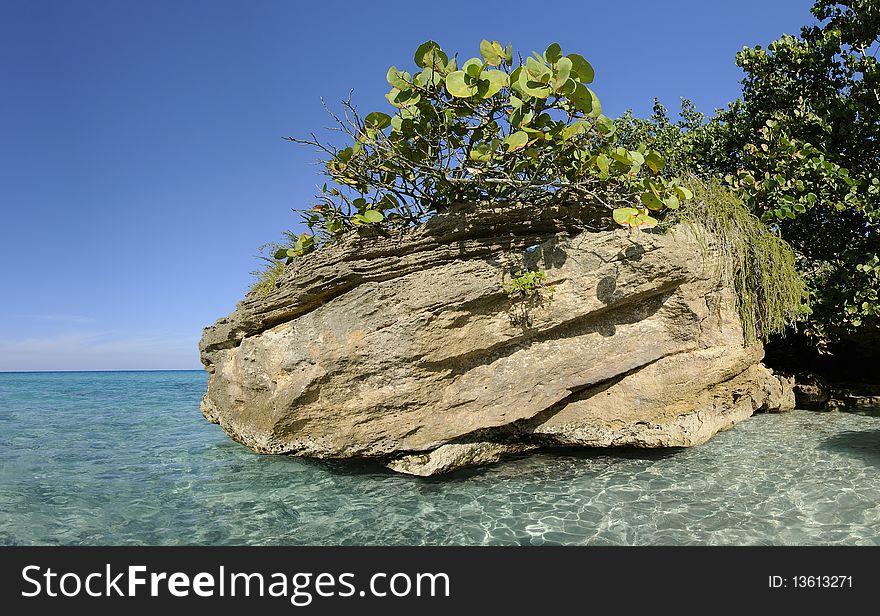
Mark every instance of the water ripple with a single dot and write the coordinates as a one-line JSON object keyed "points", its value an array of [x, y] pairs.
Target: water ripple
{"points": [[125, 458]]}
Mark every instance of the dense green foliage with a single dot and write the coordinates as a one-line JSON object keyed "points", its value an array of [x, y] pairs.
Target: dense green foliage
{"points": [[800, 152], [814, 102], [479, 131], [802, 149]]}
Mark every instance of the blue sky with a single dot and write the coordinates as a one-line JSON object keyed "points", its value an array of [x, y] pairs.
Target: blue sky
{"points": [[142, 160]]}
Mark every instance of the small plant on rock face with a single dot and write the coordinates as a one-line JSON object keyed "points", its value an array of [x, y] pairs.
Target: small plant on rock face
{"points": [[485, 129], [301, 245], [273, 269], [527, 291], [275, 256], [525, 285]]}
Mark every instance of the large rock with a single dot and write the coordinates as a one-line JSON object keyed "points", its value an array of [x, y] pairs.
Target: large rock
{"points": [[408, 349]]}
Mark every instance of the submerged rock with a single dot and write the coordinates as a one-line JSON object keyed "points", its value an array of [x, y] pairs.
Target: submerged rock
{"points": [[408, 349]]}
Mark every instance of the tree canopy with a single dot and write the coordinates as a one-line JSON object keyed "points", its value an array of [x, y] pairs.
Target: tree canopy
{"points": [[802, 148]]}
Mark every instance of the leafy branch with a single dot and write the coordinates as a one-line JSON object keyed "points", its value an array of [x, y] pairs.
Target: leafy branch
{"points": [[482, 131]]}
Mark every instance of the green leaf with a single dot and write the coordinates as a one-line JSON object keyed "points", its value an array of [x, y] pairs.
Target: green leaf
{"points": [[429, 54], [428, 78], [569, 87], [508, 53], [624, 215], [684, 193], [399, 79], [582, 68], [515, 86], [481, 152], [563, 70], [644, 221], [392, 97], [603, 163], [377, 120], [537, 71], [305, 241], [577, 128], [386, 203], [473, 67], [605, 125], [516, 141], [654, 161], [553, 53], [374, 216], [651, 201], [519, 117], [458, 86], [585, 100], [672, 202], [491, 53], [281, 253], [410, 113], [404, 99], [535, 89], [534, 133], [491, 82]]}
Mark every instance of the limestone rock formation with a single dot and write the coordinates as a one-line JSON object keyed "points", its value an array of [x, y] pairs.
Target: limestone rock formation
{"points": [[409, 350]]}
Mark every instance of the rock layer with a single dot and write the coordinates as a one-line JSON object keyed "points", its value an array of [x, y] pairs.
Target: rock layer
{"points": [[408, 349]]}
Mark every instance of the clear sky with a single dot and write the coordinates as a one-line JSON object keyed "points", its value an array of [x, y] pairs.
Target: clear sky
{"points": [[141, 159]]}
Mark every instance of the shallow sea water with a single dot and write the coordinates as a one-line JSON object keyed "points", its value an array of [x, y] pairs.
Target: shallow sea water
{"points": [[125, 458]]}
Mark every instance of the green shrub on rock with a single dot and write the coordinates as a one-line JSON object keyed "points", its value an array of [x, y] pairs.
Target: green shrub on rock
{"points": [[486, 129]]}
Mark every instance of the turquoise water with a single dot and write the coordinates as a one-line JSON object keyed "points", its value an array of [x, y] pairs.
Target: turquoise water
{"points": [[125, 458]]}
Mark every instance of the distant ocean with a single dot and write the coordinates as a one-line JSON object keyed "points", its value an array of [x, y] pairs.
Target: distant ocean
{"points": [[113, 458]]}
